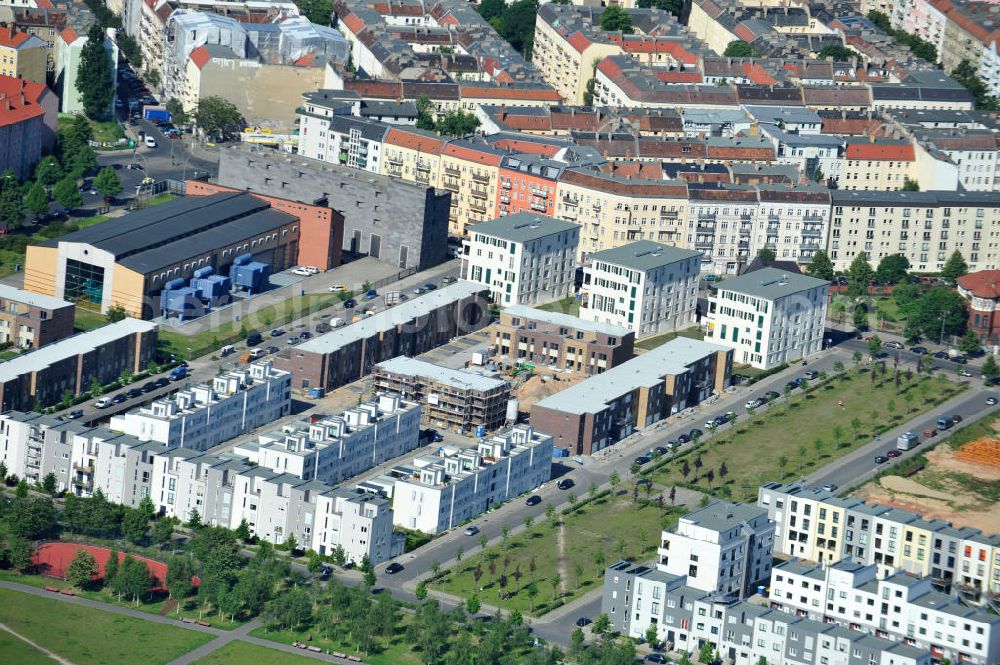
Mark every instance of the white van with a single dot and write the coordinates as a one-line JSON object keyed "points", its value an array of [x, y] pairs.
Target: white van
{"points": [[226, 350], [150, 142], [336, 322]]}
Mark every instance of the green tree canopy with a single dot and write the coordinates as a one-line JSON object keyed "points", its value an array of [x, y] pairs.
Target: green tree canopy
{"points": [[47, 171], [457, 123], [107, 182], [672, 6], [837, 52], [910, 185], [67, 194], [95, 79], [739, 49], [821, 266], [82, 569], [176, 110], [955, 267], [766, 255], [892, 268], [217, 116], [938, 309], [317, 11], [966, 75], [616, 19], [517, 25], [36, 200], [859, 274]]}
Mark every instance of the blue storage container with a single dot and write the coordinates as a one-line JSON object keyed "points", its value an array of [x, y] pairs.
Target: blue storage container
{"points": [[315, 393], [243, 259], [203, 272]]}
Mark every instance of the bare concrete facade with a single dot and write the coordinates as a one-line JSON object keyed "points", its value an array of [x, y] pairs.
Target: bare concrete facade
{"points": [[399, 223], [265, 94]]}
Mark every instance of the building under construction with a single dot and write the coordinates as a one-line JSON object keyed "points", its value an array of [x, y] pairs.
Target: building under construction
{"points": [[451, 398]]}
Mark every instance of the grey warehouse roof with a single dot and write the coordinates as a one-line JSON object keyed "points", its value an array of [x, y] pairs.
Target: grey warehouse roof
{"points": [[70, 347], [523, 227], [445, 375], [567, 320], [771, 283], [155, 237], [644, 255], [647, 370], [390, 318]]}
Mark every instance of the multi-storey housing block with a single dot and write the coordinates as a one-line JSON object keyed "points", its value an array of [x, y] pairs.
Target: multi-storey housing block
{"points": [[32, 320]]}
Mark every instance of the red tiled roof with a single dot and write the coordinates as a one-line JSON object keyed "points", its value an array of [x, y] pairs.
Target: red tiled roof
{"points": [[678, 77], [12, 38], [880, 152], [471, 155], [17, 108], [200, 57], [353, 23], [11, 86], [414, 141], [528, 147], [69, 35], [579, 41], [756, 74], [307, 60], [982, 284]]}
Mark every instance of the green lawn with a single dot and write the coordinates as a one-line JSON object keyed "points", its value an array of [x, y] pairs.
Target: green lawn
{"points": [[15, 650], [260, 319], [152, 605], [398, 652], [568, 305], [157, 200], [795, 437], [241, 653], [651, 343], [85, 319], [91, 637], [612, 526]]}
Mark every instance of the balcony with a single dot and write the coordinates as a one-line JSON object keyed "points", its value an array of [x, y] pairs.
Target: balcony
{"points": [[703, 244], [540, 193], [452, 170], [746, 230], [568, 202], [450, 185], [746, 218], [422, 177], [397, 161], [705, 228], [505, 184], [504, 198], [816, 219], [480, 178], [812, 232], [478, 207], [706, 218], [597, 206], [668, 214], [478, 193], [540, 207], [569, 214]]}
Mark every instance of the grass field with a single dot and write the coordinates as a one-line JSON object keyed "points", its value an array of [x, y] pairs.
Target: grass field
{"points": [[261, 319], [652, 342], [85, 319], [796, 436], [241, 653], [15, 650], [608, 529], [568, 305], [91, 637], [398, 652]]}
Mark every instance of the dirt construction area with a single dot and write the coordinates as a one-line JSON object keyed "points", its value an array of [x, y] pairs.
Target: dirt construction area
{"points": [[959, 484], [542, 383]]}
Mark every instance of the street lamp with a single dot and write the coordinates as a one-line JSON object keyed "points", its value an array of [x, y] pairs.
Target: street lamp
{"points": [[189, 352]]}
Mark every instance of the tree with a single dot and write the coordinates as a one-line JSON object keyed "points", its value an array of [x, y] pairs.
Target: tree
{"points": [[289, 610], [940, 311], [135, 526], [82, 569], [425, 113], [472, 604], [3, 471], [651, 635], [859, 274], [766, 255], [111, 568], [837, 52], [707, 653], [966, 75], [47, 171], [153, 78], [369, 578], [910, 185], [49, 483], [107, 182], [616, 19], [874, 345], [176, 110], [162, 531], [216, 116], [243, 531], [517, 25], [194, 519], [457, 123], [969, 342], [739, 49], [134, 578], [892, 268], [20, 552], [95, 81], [990, 367], [602, 624], [37, 200], [955, 267], [317, 11], [672, 6], [30, 517], [67, 194]]}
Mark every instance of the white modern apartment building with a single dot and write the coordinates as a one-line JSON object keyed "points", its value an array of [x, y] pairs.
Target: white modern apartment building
{"points": [[637, 597], [642, 286], [723, 548], [816, 525], [329, 136], [901, 607], [204, 415], [439, 492], [338, 447], [523, 258], [769, 317]]}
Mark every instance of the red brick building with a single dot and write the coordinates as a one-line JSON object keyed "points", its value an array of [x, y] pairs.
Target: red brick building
{"points": [[982, 291]]}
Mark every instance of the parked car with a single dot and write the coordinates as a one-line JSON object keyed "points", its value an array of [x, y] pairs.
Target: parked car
{"points": [[695, 433], [254, 338], [583, 621], [941, 355], [336, 288], [661, 450], [881, 459], [150, 142], [771, 395], [991, 401], [919, 350], [350, 303], [304, 335], [73, 415], [277, 332], [293, 339], [471, 530], [148, 387], [956, 419], [103, 403], [565, 483], [961, 360], [449, 279], [418, 291], [430, 287], [433, 435], [830, 487], [964, 372], [894, 452], [162, 381], [393, 568], [683, 438], [656, 658], [371, 294], [893, 345], [533, 500], [119, 398], [641, 459], [810, 375], [322, 328]]}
